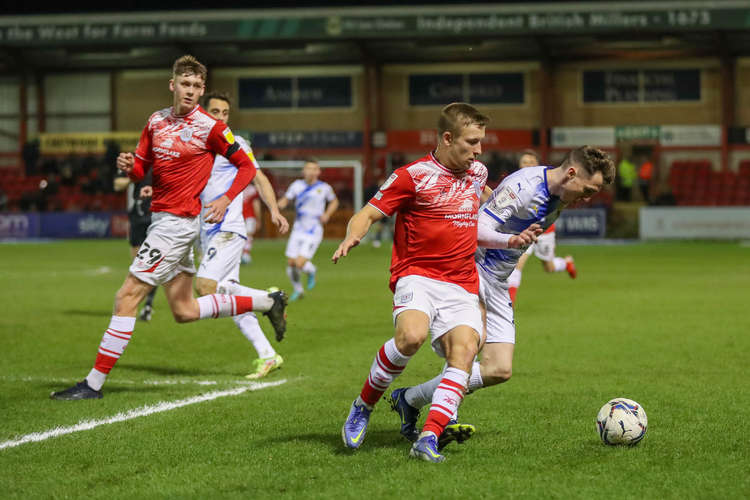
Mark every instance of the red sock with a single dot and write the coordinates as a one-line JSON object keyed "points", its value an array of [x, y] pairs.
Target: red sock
{"points": [[512, 292]]}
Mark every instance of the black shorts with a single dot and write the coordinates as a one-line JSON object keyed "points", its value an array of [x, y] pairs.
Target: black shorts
{"points": [[138, 229]]}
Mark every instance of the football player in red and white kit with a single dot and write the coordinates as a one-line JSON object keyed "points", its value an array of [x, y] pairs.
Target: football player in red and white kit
{"points": [[543, 248], [433, 276], [251, 212], [178, 144]]}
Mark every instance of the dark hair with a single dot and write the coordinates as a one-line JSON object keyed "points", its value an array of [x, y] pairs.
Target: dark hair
{"points": [[223, 96], [592, 160], [189, 65], [459, 115], [311, 159]]}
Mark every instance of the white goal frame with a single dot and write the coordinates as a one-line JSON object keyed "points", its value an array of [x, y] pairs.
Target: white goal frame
{"points": [[298, 164]]}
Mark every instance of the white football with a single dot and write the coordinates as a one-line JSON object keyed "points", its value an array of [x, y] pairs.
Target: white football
{"points": [[621, 421]]}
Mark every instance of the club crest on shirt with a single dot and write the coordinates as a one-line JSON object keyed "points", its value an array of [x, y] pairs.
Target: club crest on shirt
{"points": [[186, 134], [403, 298]]}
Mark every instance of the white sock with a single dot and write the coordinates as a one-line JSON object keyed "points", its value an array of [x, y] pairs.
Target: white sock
{"points": [[96, 379], [250, 328], [293, 274], [261, 300], [309, 268], [420, 395], [559, 264], [514, 280], [475, 379]]}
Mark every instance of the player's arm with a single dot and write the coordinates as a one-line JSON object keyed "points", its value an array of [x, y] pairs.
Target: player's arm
{"points": [[265, 191], [121, 183], [503, 204], [222, 142], [486, 193], [357, 228], [489, 237], [333, 205]]}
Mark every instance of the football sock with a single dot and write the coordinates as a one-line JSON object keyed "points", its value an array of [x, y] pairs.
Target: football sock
{"points": [[388, 364], [221, 306], [293, 274], [261, 300], [512, 291], [150, 297], [421, 394], [559, 264], [309, 268], [113, 344], [250, 328], [475, 379], [446, 400]]}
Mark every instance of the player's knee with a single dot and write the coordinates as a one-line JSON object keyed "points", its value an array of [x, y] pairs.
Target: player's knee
{"points": [[408, 341], [548, 266], [499, 374], [204, 287], [183, 316]]}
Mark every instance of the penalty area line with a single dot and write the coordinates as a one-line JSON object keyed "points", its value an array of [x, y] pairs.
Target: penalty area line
{"points": [[143, 411]]}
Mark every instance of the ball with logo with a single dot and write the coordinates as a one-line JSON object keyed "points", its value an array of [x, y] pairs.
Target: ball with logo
{"points": [[621, 421]]}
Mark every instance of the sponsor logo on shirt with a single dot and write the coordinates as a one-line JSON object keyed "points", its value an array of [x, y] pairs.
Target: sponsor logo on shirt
{"points": [[169, 152]]}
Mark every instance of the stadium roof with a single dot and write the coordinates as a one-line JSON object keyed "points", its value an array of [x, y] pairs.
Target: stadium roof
{"points": [[104, 38]]}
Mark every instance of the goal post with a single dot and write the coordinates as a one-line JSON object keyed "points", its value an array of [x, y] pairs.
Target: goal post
{"points": [[294, 168]]}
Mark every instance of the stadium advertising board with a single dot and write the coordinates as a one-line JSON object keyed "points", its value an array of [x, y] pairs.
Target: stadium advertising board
{"points": [[631, 86], [75, 225], [304, 139], [694, 223], [295, 92], [17, 225], [573, 137], [476, 88], [582, 223], [372, 23], [85, 142]]}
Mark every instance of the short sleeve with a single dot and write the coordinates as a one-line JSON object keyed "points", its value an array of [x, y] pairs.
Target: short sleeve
{"points": [[220, 139], [395, 193], [291, 191], [330, 195]]}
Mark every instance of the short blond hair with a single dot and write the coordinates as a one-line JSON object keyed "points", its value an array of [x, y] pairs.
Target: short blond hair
{"points": [[189, 65], [459, 115]]}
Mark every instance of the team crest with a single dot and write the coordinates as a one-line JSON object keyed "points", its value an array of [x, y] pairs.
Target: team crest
{"points": [[186, 134]]}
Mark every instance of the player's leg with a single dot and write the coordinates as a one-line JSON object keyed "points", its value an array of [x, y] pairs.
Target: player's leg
{"points": [[250, 226], [292, 252], [113, 343], [412, 328], [544, 249], [514, 280]]}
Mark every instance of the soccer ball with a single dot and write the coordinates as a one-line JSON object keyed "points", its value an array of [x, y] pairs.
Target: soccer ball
{"points": [[621, 421]]}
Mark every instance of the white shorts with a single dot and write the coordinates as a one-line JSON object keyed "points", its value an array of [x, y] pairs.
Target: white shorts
{"points": [[501, 326], [544, 248], [446, 304], [221, 257], [303, 244], [250, 224], [167, 250]]}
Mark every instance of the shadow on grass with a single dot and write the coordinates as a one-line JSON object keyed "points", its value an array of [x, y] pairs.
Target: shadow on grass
{"points": [[333, 442], [103, 313], [168, 370]]}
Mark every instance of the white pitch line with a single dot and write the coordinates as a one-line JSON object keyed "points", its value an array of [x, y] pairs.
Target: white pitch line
{"points": [[135, 413]]}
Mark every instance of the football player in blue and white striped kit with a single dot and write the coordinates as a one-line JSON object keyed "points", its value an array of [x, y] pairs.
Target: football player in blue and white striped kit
{"points": [[519, 209], [314, 203]]}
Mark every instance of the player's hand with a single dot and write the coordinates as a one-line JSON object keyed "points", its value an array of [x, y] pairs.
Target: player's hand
{"points": [[146, 192], [217, 209], [526, 237], [126, 162], [280, 222], [344, 247]]}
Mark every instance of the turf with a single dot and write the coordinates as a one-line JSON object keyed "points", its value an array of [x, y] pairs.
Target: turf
{"points": [[665, 324]]}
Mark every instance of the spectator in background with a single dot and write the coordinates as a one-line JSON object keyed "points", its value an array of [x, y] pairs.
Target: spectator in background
{"points": [[645, 174], [626, 175]]}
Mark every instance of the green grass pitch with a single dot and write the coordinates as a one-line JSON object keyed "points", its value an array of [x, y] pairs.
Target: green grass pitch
{"points": [[665, 324]]}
